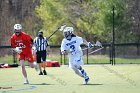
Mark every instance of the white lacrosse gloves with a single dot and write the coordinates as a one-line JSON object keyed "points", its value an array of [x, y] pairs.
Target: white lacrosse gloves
{"points": [[90, 45], [34, 49], [63, 52], [98, 44], [18, 49]]}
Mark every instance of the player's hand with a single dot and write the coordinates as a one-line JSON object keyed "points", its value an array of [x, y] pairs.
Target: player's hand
{"points": [[63, 52], [18, 49], [34, 49], [90, 45]]}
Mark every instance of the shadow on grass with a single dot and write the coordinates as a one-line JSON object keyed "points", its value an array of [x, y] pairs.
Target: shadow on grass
{"points": [[42, 84], [92, 84]]}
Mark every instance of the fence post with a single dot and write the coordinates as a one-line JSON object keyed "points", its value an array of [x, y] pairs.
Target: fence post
{"points": [[113, 36], [60, 57], [14, 57], [110, 53], [64, 59], [87, 55]]}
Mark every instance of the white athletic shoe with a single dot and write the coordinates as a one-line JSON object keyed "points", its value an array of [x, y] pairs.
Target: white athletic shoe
{"points": [[86, 80], [26, 82]]}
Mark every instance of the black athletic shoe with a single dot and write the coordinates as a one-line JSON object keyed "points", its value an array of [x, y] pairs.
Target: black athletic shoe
{"points": [[44, 71], [40, 73]]}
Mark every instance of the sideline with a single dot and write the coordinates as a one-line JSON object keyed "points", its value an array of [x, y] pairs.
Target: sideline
{"points": [[4, 89]]}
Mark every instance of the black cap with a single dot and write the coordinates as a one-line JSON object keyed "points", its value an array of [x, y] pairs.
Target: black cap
{"points": [[40, 32]]}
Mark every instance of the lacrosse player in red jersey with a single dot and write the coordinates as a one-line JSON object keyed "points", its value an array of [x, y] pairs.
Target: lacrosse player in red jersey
{"points": [[22, 44], [71, 43]]}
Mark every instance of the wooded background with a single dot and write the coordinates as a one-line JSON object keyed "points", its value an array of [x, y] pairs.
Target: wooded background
{"points": [[92, 19]]}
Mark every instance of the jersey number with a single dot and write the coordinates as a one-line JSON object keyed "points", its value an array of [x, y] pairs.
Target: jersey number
{"points": [[21, 45], [72, 49]]}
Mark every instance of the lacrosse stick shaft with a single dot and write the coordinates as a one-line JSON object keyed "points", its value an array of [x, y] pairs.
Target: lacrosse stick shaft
{"points": [[96, 50], [48, 38], [62, 27], [52, 34], [87, 48]]}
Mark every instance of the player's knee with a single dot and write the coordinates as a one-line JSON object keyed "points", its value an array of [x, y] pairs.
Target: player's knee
{"points": [[78, 67], [75, 69], [76, 72], [23, 66]]}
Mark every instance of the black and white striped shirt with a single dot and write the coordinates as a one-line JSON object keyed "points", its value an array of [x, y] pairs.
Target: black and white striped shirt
{"points": [[40, 43]]}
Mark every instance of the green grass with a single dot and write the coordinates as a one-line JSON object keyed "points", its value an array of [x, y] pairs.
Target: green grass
{"points": [[103, 79], [6, 59], [92, 59], [127, 60], [100, 59]]}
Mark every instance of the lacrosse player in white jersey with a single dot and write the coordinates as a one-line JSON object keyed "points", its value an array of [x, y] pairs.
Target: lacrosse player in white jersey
{"points": [[71, 43]]}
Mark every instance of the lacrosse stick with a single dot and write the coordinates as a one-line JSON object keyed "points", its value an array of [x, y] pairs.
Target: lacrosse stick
{"points": [[97, 44], [59, 29], [95, 50]]}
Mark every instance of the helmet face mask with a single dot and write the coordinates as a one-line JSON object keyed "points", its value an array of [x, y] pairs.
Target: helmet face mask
{"points": [[17, 32], [68, 31], [67, 35], [17, 29]]}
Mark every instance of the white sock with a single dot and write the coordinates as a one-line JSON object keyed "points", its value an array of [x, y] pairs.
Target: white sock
{"points": [[25, 78]]}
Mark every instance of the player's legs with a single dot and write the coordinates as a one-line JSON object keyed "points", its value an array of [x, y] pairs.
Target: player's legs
{"points": [[74, 63], [31, 61], [77, 71], [38, 57], [84, 74], [31, 65], [81, 70], [21, 59], [44, 62], [77, 63], [24, 72]]}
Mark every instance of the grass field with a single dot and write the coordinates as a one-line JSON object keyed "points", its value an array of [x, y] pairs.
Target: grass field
{"points": [[103, 79], [95, 59]]}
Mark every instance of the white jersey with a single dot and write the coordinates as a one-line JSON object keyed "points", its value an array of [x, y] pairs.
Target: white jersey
{"points": [[74, 49], [72, 46]]}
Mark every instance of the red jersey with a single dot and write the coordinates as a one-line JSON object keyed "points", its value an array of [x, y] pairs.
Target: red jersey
{"points": [[24, 41]]}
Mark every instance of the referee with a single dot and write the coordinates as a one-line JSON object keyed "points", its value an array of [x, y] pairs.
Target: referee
{"points": [[41, 44]]}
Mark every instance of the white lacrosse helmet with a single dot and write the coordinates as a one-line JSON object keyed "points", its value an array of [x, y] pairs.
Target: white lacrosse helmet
{"points": [[17, 27], [67, 32], [68, 29]]}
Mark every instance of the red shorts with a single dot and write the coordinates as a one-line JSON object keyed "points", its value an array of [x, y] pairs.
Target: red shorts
{"points": [[28, 56]]}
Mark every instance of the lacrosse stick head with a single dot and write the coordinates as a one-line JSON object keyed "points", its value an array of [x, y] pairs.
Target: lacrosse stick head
{"points": [[98, 44], [62, 27]]}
